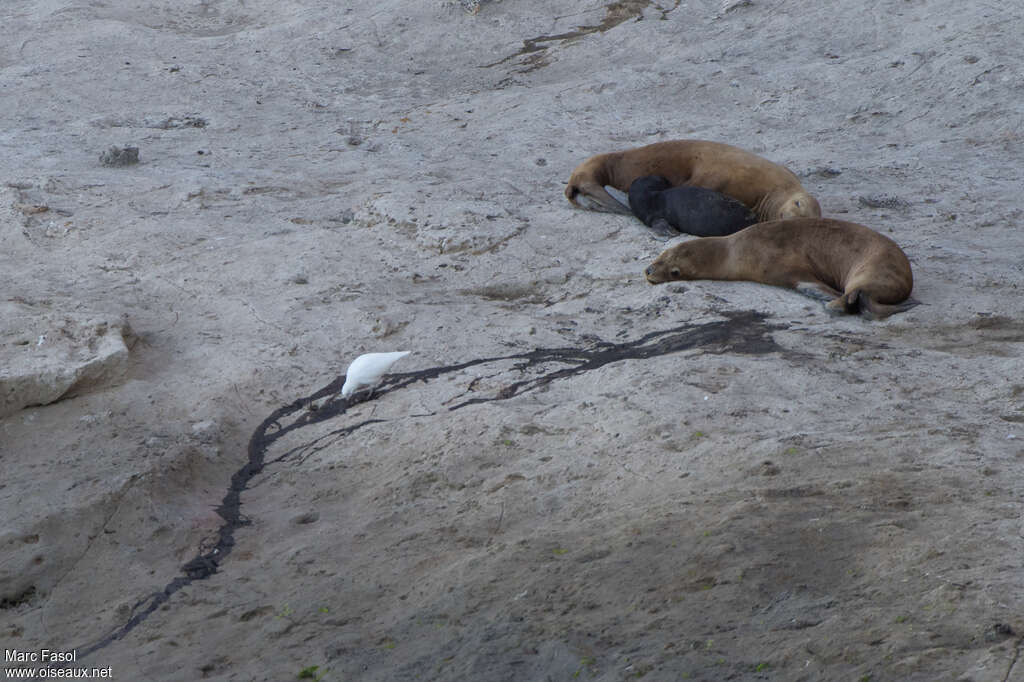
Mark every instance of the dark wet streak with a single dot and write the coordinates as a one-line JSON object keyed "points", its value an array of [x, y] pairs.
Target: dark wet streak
{"points": [[730, 335], [742, 333], [615, 14]]}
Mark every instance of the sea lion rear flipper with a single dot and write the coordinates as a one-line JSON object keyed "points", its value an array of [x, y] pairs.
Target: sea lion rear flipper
{"points": [[872, 310]]}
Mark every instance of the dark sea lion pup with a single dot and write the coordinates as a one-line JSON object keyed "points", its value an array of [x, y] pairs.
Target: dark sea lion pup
{"points": [[670, 210], [770, 190], [853, 267]]}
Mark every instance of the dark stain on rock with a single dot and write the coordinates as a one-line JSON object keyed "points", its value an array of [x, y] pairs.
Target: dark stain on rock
{"points": [[744, 333], [13, 601], [615, 14]]}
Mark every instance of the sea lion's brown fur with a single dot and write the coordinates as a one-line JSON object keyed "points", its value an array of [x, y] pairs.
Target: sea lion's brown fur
{"points": [[858, 269], [770, 190]]}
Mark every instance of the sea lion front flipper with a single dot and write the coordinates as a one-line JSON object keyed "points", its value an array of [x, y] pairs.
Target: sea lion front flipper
{"points": [[618, 195], [592, 204], [821, 292], [847, 303], [836, 307], [662, 230], [594, 198]]}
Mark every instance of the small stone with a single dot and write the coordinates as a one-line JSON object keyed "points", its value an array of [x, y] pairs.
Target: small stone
{"points": [[826, 172], [204, 431], [308, 517], [174, 122], [883, 201], [118, 157]]}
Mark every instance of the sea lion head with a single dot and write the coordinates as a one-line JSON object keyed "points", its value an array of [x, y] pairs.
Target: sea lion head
{"points": [[648, 184], [643, 197], [800, 205], [675, 263], [587, 176]]}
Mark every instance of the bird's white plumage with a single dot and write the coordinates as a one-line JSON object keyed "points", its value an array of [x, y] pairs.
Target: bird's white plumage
{"points": [[368, 369]]}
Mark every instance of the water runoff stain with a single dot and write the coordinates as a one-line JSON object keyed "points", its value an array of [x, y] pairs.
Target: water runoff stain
{"points": [[615, 14], [741, 333]]}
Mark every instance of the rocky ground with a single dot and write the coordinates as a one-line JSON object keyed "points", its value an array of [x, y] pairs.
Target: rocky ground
{"points": [[575, 475]]}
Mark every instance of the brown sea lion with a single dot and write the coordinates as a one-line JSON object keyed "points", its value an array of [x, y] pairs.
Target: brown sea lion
{"points": [[853, 267], [769, 189]]}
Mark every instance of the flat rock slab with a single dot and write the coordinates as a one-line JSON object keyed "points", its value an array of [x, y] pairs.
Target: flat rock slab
{"points": [[47, 356]]}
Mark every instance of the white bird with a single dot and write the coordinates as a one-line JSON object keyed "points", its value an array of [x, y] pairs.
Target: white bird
{"points": [[368, 370]]}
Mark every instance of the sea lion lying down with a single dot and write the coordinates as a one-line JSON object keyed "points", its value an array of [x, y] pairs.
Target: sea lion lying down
{"points": [[853, 267], [670, 210], [770, 190]]}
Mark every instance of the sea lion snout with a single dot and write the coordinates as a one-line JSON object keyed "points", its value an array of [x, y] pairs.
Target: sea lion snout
{"points": [[655, 273], [800, 205]]}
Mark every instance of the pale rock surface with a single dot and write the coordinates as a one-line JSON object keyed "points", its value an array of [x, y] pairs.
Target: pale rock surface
{"points": [[582, 476], [46, 356]]}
